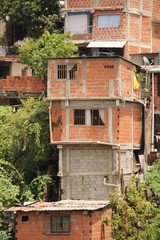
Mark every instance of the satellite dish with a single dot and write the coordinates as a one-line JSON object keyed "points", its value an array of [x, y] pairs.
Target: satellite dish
{"points": [[146, 61]]}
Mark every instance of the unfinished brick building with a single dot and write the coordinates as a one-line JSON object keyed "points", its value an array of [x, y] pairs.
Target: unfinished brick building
{"points": [[96, 121], [17, 82], [112, 27]]}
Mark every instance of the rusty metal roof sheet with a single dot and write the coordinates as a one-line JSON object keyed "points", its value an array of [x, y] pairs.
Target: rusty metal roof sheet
{"points": [[63, 205]]}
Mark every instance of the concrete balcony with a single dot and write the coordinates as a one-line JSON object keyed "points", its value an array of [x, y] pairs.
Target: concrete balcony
{"points": [[80, 33]]}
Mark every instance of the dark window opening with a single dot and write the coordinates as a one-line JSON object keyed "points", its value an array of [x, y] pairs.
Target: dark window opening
{"points": [[60, 224], [158, 84], [95, 118], [4, 72], [62, 72], [24, 218], [63, 69], [111, 51], [79, 117], [89, 117], [73, 72]]}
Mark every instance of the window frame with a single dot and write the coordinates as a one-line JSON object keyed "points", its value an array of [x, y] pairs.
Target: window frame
{"points": [[88, 117], [58, 231], [70, 73], [108, 21]]}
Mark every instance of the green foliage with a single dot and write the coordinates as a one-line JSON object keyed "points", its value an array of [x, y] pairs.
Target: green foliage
{"points": [[25, 144], [4, 235], [9, 176], [36, 53], [153, 179], [39, 184], [33, 15], [133, 215]]}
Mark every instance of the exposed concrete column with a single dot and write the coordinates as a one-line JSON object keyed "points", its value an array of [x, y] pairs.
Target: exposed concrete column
{"points": [[84, 78], [67, 121], [119, 78], [110, 125], [67, 84], [60, 170], [68, 184], [132, 125]]}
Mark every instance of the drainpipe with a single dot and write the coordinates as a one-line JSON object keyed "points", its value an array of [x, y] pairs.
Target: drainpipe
{"points": [[119, 173]]}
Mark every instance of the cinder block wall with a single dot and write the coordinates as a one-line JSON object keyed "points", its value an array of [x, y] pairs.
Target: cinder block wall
{"points": [[82, 226], [83, 170]]}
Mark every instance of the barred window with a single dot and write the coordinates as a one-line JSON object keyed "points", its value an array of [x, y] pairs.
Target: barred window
{"points": [[60, 224], [79, 117], [62, 71], [89, 117], [67, 70]]}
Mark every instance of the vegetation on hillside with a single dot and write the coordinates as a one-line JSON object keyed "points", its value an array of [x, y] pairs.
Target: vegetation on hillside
{"points": [[36, 53]]}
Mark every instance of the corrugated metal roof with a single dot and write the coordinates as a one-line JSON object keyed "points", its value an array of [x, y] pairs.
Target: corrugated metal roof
{"points": [[63, 205], [106, 44]]}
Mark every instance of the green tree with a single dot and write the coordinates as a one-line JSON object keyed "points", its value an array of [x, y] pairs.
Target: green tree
{"points": [[153, 182], [33, 16], [133, 215], [153, 179], [36, 53], [25, 143]]}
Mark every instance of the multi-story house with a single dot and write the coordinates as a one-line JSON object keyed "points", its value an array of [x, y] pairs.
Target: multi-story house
{"points": [[120, 27], [96, 121]]}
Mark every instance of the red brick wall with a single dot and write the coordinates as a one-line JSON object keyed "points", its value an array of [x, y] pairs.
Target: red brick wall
{"points": [[56, 121], [22, 84], [114, 33], [146, 29], [155, 9], [92, 3], [127, 126], [82, 227], [98, 73], [155, 37]]}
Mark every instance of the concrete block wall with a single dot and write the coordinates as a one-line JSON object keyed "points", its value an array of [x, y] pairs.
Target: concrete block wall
{"points": [[83, 226], [83, 172], [84, 168]]}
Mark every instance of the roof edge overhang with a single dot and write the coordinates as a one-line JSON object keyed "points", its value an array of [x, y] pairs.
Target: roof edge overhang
{"points": [[91, 9], [63, 205], [107, 44]]}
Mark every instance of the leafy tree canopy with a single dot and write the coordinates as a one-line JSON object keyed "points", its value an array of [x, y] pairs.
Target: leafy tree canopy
{"points": [[133, 215], [33, 15], [153, 179], [25, 144], [36, 53]]}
